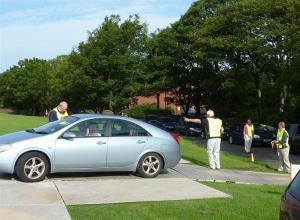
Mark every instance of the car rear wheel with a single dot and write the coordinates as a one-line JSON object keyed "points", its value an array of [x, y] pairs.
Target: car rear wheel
{"points": [[150, 165], [231, 140], [32, 167]]}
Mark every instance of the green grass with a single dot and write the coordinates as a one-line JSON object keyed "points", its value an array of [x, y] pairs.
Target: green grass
{"points": [[247, 202], [198, 155], [10, 122]]}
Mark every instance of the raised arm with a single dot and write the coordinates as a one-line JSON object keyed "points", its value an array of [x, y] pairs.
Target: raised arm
{"points": [[196, 120]]}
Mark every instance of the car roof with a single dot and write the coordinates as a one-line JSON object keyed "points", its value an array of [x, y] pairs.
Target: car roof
{"points": [[84, 116], [91, 116]]}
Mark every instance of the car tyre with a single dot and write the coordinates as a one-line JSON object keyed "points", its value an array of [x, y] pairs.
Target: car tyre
{"points": [[32, 167], [150, 165]]}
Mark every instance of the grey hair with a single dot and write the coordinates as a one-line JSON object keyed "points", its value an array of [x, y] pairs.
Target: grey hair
{"points": [[63, 103], [210, 113]]}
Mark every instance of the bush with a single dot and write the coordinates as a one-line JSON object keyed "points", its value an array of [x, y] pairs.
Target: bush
{"points": [[139, 111]]}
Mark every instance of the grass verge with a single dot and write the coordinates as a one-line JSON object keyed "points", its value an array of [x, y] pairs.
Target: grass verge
{"points": [[10, 123], [247, 202], [198, 155]]}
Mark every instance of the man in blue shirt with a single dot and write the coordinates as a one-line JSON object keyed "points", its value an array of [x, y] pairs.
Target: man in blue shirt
{"points": [[59, 112]]}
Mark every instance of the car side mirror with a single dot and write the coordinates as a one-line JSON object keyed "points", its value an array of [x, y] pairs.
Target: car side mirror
{"points": [[69, 135]]}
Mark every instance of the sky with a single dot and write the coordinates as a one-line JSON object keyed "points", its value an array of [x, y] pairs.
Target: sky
{"points": [[48, 28]]}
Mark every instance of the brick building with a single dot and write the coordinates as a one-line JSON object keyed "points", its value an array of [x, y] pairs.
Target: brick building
{"points": [[163, 103]]}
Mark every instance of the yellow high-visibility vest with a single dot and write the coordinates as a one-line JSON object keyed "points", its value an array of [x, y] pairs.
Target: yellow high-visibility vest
{"points": [[279, 138], [250, 129], [60, 115], [214, 127]]}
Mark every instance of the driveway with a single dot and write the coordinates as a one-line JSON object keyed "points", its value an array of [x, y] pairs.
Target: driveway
{"points": [[36, 201], [266, 155]]}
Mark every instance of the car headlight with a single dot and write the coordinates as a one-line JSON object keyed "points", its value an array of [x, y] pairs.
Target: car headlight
{"points": [[4, 147], [256, 136]]}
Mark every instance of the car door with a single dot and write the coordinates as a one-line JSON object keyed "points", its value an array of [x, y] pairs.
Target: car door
{"points": [[126, 142], [88, 148]]}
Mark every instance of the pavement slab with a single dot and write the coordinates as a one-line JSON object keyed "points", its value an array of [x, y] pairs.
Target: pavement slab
{"points": [[133, 190], [196, 172], [30, 201]]}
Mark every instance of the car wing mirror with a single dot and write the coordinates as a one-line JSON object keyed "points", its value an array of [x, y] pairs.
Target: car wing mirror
{"points": [[69, 135]]}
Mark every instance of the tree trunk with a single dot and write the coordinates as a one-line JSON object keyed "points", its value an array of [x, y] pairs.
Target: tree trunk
{"points": [[283, 98], [157, 101]]}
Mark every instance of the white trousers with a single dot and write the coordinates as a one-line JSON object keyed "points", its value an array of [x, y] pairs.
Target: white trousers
{"points": [[213, 151], [248, 143], [283, 157]]}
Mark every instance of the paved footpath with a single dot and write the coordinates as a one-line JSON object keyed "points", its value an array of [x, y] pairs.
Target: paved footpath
{"points": [[30, 201], [196, 172]]}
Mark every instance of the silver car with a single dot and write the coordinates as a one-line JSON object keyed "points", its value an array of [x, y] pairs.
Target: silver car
{"points": [[88, 143]]}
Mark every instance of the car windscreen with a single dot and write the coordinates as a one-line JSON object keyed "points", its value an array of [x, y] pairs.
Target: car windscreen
{"points": [[294, 187], [54, 126]]}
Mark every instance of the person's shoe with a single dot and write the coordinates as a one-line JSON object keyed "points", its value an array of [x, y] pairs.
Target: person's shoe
{"points": [[213, 168], [288, 171], [218, 168], [280, 169]]}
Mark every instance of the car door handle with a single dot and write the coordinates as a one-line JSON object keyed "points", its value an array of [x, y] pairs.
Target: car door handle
{"points": [[141, 142], [101, 142]]}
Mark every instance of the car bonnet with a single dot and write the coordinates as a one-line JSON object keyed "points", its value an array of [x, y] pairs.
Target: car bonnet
{"points": [[17, 137]]}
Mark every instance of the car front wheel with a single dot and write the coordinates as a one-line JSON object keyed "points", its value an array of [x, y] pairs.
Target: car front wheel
{"points": [[32, 167], [150, 165]]}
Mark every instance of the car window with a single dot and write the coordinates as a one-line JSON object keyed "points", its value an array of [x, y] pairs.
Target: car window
{"points": [[295, 186], [121, 128], [90, 128]]}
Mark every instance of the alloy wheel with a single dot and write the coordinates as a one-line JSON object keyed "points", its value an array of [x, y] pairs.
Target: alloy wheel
{"points": [[34, 168], [151, 165]]}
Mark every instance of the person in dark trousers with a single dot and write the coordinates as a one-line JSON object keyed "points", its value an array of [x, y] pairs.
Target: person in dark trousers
{"points": [[59, 112]]}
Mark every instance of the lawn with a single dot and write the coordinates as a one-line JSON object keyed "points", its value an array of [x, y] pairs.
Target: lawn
{"points": [[198, 155], [10, 122], [247, 202]]}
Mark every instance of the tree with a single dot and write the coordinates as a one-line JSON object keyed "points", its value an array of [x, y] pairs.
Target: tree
{"points": [[255, 39], [24, 86], [173, 60], [111, 63]]}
